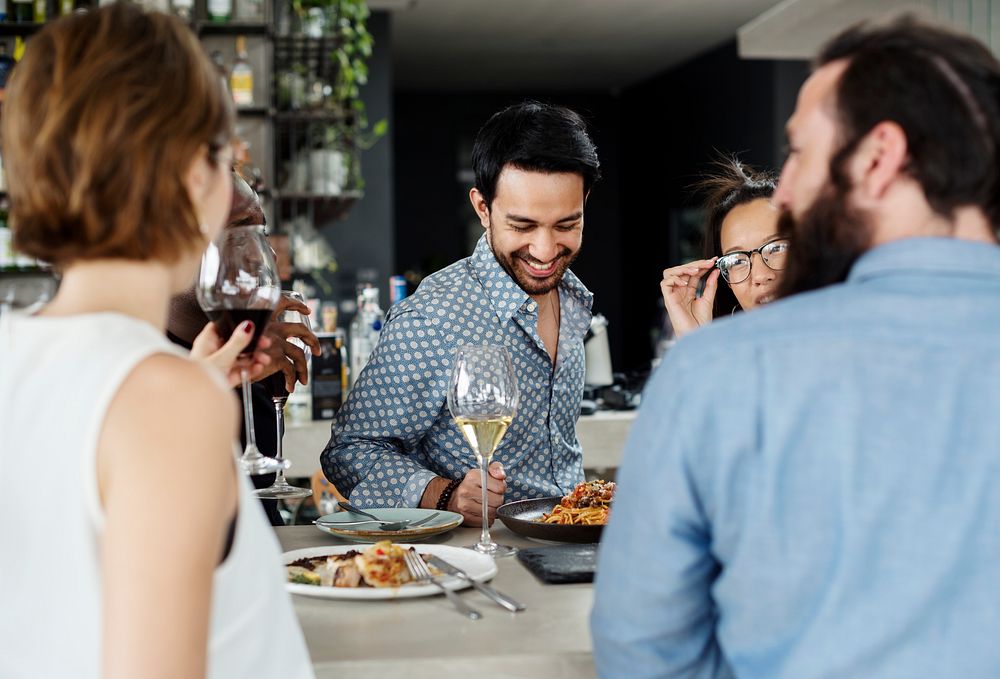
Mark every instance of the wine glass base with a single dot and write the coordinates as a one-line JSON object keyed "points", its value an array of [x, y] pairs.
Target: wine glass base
{"points": [[257, 466], [493, 549], [282, 492]]}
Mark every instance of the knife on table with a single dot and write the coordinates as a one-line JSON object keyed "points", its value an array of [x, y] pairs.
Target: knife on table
{"points": [[502, 599]]}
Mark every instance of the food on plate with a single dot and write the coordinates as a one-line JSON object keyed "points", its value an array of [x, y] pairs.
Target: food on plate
{"points": [[587, 505], [381, 565]]}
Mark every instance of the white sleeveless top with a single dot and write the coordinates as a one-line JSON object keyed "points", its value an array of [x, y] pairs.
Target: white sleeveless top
{"points": [[57, 379]]}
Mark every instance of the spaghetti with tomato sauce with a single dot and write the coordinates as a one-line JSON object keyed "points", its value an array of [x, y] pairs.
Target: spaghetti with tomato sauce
{"points": [[587, 505]]}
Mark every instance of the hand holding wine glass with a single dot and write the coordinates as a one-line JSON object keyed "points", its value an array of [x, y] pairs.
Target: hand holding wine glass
{"points": [[483, 397], [225, 355], [238, 281]]}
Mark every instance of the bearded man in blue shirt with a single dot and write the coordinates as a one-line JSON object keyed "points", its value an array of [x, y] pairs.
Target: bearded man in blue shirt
{"points": [[394, 443], [811, 489]]}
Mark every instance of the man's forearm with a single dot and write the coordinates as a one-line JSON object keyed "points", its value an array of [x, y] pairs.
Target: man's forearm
{"points": [[432, 493]]}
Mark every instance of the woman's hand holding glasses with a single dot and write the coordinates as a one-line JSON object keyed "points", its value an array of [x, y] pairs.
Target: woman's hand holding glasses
{"points": [[688, 310]]}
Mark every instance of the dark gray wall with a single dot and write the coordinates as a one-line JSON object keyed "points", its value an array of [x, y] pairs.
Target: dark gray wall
{"points": [[365, 238]]}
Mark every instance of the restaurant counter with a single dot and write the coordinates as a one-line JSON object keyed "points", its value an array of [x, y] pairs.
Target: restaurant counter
{"points": [[426, 638], [602, 436]]}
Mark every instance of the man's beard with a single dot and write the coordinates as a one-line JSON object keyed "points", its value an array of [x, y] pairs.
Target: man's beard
{"points": [[530, 284], [826, 242]]}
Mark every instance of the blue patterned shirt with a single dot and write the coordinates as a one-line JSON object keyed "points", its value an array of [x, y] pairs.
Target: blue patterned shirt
{"points": [[395, 433]]}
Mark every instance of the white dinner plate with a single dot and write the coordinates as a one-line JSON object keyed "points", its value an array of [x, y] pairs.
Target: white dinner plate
{"points": [[442, 523], [480, 567]]}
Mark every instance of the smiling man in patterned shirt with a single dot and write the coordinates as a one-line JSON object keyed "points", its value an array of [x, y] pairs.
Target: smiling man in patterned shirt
{"points": [[394, 442]]}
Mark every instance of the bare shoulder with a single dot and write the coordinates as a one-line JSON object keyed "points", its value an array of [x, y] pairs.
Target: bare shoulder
{"points": [[169, 419]]}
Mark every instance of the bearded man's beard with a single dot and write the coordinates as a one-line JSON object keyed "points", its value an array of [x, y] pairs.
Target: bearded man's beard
{"points": [[825, 242], [528, 283]]}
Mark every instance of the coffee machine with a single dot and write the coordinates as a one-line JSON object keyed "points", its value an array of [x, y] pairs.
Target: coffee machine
{"points": [[597, 354]]}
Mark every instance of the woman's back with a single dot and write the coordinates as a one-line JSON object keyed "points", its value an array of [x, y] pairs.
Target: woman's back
{"points": [[59, 376]]}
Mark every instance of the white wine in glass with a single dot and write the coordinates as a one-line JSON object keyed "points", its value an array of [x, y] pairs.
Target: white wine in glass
{"points": [[483, 397], [483, 435]]}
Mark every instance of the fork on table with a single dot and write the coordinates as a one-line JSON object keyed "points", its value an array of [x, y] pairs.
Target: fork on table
{"points": [[418, 569]]}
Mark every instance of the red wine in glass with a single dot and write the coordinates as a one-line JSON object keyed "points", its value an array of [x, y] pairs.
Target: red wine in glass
{"points": [[275, 385], [227, 320]]}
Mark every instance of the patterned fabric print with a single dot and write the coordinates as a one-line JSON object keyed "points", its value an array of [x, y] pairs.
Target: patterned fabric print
{"points": [[395, 433]]}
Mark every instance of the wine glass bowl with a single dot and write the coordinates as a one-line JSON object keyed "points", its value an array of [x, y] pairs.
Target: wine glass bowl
{"points": [[238, 281], [483, 398]]}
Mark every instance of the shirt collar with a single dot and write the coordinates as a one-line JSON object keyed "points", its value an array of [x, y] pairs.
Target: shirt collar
{"points": [[949, 256], [503, 291]]}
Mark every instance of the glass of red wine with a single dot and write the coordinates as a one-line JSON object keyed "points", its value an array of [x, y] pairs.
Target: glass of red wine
{"points": [[239, 282], [275, 384]]}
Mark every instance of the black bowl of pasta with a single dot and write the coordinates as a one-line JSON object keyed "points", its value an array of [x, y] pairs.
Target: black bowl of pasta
{"points": [[562, 519]]}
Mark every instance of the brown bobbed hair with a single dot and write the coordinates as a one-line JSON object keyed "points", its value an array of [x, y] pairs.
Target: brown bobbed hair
{"points": [[729, 184], [103, 116]]}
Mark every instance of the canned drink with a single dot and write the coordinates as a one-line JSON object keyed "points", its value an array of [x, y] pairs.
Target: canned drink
{"points": [[397, 288]]}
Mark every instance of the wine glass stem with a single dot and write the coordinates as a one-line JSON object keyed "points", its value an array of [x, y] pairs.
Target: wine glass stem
{"points": [[484, 471], [279, 417], [247, 408]]}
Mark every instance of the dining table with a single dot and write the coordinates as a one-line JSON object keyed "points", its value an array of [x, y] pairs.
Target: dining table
{"points": [[426, 638]]}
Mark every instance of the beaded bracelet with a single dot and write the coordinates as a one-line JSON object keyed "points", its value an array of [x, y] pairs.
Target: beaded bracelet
{"points": [[446, 494]]}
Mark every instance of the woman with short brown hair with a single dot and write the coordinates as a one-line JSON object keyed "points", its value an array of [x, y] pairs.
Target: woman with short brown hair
{"points": [[116, 134]]}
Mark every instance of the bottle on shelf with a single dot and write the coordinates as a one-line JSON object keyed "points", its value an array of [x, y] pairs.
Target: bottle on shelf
{"points": [[24, 12], [220, 11], [3, 10], [241, 77], [66, 7], [365, 329], [39, 13]]}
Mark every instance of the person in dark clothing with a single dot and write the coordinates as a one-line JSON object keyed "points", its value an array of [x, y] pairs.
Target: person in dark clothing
{"points": [[187, 319]]}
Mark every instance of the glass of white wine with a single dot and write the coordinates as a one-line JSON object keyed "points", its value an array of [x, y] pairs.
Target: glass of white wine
{"points": [[483, 397]]}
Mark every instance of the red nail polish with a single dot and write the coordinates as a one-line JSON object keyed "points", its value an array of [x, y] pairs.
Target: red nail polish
{"points": [[248, 328]]}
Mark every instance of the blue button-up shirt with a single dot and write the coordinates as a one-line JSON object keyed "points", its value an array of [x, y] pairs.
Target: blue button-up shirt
{"points": [[395, 433], [812, 489]]}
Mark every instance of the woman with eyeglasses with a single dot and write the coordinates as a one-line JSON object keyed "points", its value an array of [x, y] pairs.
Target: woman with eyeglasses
{"points": [[741, 244]]}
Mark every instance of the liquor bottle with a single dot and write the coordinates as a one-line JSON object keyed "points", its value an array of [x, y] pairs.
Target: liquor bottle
{"points": [[365, 329], [241, 77], [66, 7], [3, 10], [18, 48], [23, 11], [39, 13], [220, 11]]}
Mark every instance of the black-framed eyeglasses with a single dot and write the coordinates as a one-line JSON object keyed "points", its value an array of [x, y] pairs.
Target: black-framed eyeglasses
{"points": [[735, 266]]}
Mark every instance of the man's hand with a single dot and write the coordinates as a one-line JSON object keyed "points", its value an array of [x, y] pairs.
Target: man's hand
{"points": [[467, 499], [226, 357], [283, 350], [679, 286]]}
